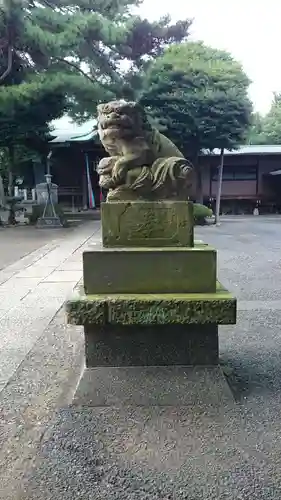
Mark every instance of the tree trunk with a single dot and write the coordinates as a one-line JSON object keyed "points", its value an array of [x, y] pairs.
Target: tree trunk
{"points": [[12, 216], [218, 198], [2, 197], [11, 170], [2, 193], [199, 184]]}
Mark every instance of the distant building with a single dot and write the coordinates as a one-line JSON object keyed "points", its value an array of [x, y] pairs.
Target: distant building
{"points": [[74, 162], [251, 176]]}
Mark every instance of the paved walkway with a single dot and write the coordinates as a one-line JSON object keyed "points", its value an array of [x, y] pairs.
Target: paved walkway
{"points": [[33, 289], [18, 241]]}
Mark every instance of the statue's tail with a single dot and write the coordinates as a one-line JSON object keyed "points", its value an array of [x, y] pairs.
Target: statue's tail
{"points": [[173, 171], [144, 181]]}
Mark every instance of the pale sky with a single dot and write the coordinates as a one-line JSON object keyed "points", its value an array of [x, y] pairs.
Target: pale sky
{"points": [[249, 29]]}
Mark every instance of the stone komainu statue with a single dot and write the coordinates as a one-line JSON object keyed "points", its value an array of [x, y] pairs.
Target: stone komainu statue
{"points": [[142, 163]]}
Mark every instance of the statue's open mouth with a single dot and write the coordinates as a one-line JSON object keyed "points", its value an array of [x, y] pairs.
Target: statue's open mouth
{"points": [[115, 121]]}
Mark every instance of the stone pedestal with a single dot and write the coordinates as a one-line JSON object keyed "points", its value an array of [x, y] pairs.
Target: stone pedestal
{"points": [[49, 222], [150, 296], [147, 224]]}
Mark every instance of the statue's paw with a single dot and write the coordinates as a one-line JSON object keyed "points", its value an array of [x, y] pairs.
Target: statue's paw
{"points": [[105, 166], [106, 183]]}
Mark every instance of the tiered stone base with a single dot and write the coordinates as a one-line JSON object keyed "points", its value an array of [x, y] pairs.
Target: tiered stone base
{"points": [[143, 305]]}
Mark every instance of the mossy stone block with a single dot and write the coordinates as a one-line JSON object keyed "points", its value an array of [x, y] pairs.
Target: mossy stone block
{"points": [[150, 270], [82, 311], [153, 309], [147, 224]]}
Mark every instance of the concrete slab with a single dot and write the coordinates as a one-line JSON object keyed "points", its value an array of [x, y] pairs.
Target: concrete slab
{"points": [[18, 245], [22, 325], [61, 276], [153, 386], [13, 291], [27, 305], [72, 265], [18, 283], [5, 276], [35, 272], [46, 290]]}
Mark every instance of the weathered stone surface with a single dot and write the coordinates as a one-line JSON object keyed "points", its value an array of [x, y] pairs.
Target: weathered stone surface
{"points": [[147, 224], [153, 309], [175, 386], [162, 386], [143, 163], [157, 345], [80, 311], [150, 270]]}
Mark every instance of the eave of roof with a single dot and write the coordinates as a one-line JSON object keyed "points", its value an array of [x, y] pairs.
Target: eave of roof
{"points": [[248, 150], [67, 136]]}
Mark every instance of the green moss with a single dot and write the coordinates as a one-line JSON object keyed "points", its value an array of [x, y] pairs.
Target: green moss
{"points": [[144, 224], [148, 309], [80, 311]]}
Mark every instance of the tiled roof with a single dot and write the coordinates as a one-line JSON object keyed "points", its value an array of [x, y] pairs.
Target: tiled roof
{"points": [[79, 134], [250, 150]]}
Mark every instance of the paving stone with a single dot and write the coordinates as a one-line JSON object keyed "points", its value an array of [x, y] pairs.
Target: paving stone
{"points": [[63, 275], [72, 265], [46, 290], [28, 304], [35, 272]]}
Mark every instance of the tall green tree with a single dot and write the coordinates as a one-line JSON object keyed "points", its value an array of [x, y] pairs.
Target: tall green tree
{"points": [[52, 40], [271, 125], [24, 124], [144, 43], [256, 133], [60, 55], [266, 130], [76, 46], [199, 97]]}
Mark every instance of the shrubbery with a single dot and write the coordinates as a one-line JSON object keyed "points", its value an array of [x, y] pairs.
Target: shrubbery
{"points": [[201, 212]]}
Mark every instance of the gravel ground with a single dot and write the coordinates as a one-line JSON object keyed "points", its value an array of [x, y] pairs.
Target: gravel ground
{"points": [[178, 453]]}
